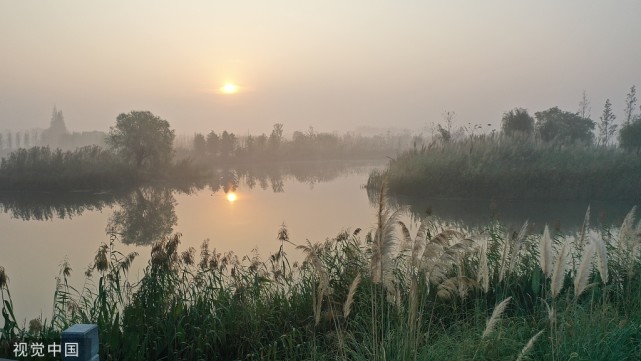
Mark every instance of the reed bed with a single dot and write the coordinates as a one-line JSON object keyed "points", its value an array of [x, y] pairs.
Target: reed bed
{"points": [[441, 293], [486, 167]]}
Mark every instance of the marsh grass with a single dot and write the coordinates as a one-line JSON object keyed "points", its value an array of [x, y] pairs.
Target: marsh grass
{"points": [[441, 293], [493, 167]]}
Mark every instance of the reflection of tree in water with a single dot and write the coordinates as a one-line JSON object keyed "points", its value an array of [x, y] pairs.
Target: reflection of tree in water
{"points": [[274, 175], [145, 216], [41, 206], [225, 179]]}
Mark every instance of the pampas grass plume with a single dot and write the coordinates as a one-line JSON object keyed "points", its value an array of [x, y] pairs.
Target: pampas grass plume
{"points": [[347, 307], [528, 346], [546, 252], [582, 274], [559, 271], [496, 316]]}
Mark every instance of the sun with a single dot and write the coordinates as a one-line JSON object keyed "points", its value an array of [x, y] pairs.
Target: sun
{"points": [[229, 88], [231, 197]]}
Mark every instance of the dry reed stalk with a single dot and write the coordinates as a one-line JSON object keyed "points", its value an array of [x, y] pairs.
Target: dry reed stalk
{"points": [[347, 307], [381, 263], [583, 273], [584, 228], [518, 244], [496, 316], [506, 249], [602, 258], [529, 346], [483, 275], [559, 271], [627, 228], [551, 313], [419, 243], [546, 252], [311, 252]]}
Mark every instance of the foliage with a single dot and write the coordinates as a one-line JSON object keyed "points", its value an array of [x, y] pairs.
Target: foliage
{"points": [[41, 168], [555, 124], [142, 139], [630, 105], [506, 168], [606, 125], [517, 121], [630, 136], [144, 216], [309, 145]]}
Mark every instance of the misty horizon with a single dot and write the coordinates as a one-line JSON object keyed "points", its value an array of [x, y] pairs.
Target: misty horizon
{"points": [[333, 66]]}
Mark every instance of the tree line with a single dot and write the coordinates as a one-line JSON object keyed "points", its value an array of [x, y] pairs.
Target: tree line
{"points": [[303, 145], [556, 125]]}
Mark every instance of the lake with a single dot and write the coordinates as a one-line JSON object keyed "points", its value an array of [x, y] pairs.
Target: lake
{"points": [[238, 210]]}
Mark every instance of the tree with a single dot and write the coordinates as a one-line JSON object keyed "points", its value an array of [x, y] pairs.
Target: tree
{"points": [[630, 102], [584, 106], [277, 136], [558, 125], [54, 135], [517, 121], [142, 139], [227, 144], [213, 143], [9, 140], [147, 215], [200, 144], [630, 135], [607, 126]]}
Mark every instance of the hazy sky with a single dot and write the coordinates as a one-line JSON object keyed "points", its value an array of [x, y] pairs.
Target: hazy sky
{"points": [[334, 65]]}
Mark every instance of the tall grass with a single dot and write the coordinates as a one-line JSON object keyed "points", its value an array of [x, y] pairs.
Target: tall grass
{"points": [[507, 168], [441, 293]]}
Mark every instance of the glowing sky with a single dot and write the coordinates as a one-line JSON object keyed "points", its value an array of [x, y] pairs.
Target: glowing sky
{"points": [[334, 65]]}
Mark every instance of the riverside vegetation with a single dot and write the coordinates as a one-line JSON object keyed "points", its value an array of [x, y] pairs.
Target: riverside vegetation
{"points": [[442, 293], [504, 167]]}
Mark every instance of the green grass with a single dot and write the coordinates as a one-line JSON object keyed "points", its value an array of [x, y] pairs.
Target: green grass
{"points": [[421, 296], [507, 168]]}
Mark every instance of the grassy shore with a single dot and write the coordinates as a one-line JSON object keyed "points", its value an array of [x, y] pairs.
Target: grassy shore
{"points": [[511, 168], [441, 293]]}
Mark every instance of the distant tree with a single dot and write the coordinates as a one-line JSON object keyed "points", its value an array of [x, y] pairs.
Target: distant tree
{"points": [[213, 143], [25, 139], [142, 139], [606, 125], [1, 141], [630, 135], [18, 140], [261, 142], [630, 103], [227, 143], [277, 136], [57, 130], [9, 140], [200, 144], [517, 121], [555, 124], [584, 107]]}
